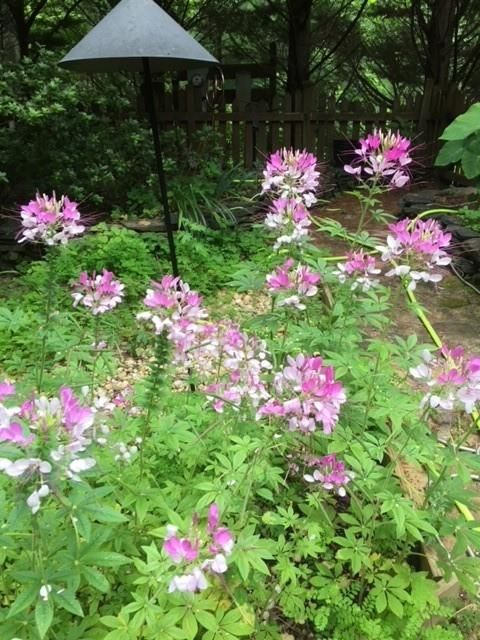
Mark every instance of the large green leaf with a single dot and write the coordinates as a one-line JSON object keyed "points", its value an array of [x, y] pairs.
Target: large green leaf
{"points": [[471, 164], [464, 125], [451, 152]]}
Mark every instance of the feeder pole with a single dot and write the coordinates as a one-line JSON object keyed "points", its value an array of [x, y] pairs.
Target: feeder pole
{"points": [[150, 106]]}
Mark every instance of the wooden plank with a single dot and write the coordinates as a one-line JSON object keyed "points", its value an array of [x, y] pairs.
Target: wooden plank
{"points": [[355, 123], [320, 128], [308, 129], [297, 139], [261, 137], [250, 135], [286, 126], [223, 129], [274, 128], [182, 106], [331, 117], [243, 83], [271, 116]]}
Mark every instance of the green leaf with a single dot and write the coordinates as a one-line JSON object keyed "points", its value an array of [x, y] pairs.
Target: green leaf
{"points": [[207, 620], [43, 616], [471, 165], [464, 125], [105, 558], [105, 514], [24, 600], [68, 601], [190, 626], [450, 152], [96, 579], [395, 605], [381, 602]]}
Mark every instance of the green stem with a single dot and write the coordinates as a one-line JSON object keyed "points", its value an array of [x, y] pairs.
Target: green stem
{"points": [[95, 357], [50, 285], [371, 391], [156, 378]]}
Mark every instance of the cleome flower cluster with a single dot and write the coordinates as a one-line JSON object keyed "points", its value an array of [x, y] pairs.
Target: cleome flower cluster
{"points": [[49, 440], [307, 395], [50, 221], [330, 473], [99, 293], [383, 158], [360, 268], [453, 379], [417, 249], [292, 285], [292, 174], [204, 552]]}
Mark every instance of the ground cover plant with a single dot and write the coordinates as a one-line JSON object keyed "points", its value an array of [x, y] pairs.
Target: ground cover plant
{"points": [[251, 485]]}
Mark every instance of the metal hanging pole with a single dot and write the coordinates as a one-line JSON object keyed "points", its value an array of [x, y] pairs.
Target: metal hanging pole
{"points": [[150, 105]]}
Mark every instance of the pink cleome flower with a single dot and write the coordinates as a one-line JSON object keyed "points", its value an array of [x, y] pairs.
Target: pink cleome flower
{"points": [[293, 285], [307, 395], [50, 221], [330, 473], [205, 550], [100, 293], [359, 267], [237, 362], [292, 174], [288, 220], [173, 308], [418, 248], [384, 158], [453, 379], [52, 434], [228, 361]]}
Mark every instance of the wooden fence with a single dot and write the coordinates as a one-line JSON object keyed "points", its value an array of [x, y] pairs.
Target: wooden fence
{"points": [[252, 122]]}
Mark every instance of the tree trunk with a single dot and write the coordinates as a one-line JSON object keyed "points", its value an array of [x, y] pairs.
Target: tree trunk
{"points": [[22, 27], [439, 34], [299, 43]]}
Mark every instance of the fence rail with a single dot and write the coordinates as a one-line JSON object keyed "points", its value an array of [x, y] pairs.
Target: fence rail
{"points": [[251, 128]]}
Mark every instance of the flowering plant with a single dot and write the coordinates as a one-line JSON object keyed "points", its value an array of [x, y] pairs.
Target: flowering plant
{"points": [[99, 293], [330, 473], [359, 267], [383, 157], [417, 250], [291, 286], [49, 437], [292, 175], [452, 377], [205, 551], [307, 395], [50, 221], [288, 220]]}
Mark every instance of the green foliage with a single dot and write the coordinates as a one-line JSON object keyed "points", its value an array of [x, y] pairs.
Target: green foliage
{"points": [[70, 134], [306, 559], [470, 218], [462, 144]]}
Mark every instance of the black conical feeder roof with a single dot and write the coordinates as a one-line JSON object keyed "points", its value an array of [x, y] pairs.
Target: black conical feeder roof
{"points": [[132, 31]]}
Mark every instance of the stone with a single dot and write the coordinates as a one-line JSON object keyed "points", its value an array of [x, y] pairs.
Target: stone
{"points": [[461, 233], [471, 249]]}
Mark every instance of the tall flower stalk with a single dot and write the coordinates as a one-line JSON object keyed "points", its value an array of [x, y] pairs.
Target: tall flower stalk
{"points": [[51, 222]]}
